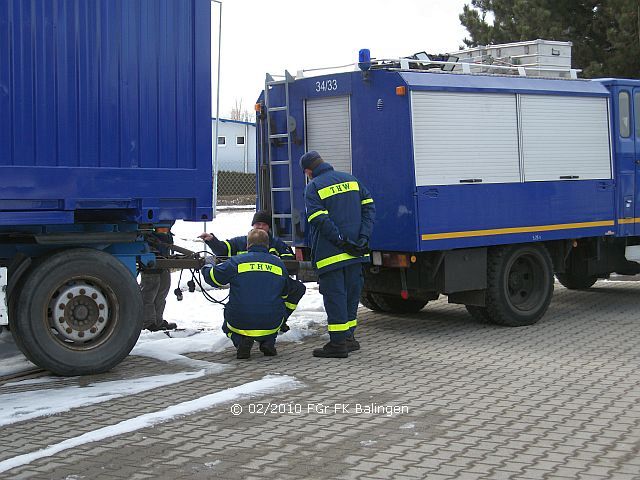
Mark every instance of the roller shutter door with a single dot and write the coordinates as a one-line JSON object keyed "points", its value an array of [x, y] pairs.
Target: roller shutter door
{"points": [[328, 130], [463, 136], [565, 137]]}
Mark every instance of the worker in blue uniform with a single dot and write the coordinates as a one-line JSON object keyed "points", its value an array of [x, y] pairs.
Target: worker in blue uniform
{"points": [[340, 213], [237, 245], [155, 284], [255, 310]]}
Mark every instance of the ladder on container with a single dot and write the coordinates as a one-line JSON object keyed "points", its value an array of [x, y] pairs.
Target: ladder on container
{"points": [[272, 137]]}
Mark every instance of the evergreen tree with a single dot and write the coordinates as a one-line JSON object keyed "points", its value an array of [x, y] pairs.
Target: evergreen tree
{"points": [[605, 33]]}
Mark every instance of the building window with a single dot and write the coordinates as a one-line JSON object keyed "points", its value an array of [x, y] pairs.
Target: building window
{"points": [[222, 141], [240, 141]]}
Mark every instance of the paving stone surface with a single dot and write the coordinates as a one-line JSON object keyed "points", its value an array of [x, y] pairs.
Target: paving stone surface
{"points": [[556, 400]]}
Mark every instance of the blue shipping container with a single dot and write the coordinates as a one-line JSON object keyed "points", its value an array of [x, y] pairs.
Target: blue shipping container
{"points": [[105, 106]]}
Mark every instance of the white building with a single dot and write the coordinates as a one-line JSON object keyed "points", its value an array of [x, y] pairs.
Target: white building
{"points": [[236, 145]]}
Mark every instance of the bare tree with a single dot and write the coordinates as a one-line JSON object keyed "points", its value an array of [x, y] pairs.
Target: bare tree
{"points": [[238, 112]]}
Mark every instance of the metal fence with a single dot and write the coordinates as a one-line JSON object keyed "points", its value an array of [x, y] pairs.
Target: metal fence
{"points": [[236, 188]]}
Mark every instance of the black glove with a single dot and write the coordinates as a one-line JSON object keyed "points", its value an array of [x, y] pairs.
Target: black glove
{"points": [[350, 247], [363, 243], [284, 328]]}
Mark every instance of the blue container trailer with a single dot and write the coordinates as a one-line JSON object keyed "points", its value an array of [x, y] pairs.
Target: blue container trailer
{"points": [[485, 185], [106, 135]]}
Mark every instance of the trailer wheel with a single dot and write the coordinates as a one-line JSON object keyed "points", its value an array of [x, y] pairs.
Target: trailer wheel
{"points": [[367, 301], [79, 312], [574, 281], [479, 314], [395, 304], [519, 284]]}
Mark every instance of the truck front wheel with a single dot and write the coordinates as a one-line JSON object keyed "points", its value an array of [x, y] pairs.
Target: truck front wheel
{"points": [[79, 312], [519, 284]]}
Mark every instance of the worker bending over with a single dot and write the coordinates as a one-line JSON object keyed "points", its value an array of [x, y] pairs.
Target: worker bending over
{"points": [[237, 245]]}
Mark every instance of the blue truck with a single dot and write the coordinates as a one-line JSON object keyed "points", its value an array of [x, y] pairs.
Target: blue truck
{"points": [[486, 186], [105, 138]]}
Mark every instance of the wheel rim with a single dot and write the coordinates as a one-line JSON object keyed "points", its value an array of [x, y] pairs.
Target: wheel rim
{"points": [[82, 313], [525, 282]]}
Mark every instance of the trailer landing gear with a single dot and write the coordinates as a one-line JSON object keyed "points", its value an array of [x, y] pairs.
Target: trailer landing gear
{"points": [[78, 312]]}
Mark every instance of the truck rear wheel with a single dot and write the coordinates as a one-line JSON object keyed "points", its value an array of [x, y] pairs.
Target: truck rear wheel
{"points": [[79, 312], [574, 281], [478, 313], [367, 301], [519, 284], [395, 304]]}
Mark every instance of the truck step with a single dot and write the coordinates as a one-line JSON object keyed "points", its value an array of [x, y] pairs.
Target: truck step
{"points": [[279, 135], [276, 109]]}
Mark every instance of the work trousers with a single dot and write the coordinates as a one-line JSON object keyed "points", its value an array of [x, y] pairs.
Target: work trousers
{"points": [[155, 288], [340, 291]]}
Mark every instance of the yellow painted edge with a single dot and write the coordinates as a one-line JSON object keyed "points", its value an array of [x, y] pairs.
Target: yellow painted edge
{"points": [[505, 231], [628, 220]]}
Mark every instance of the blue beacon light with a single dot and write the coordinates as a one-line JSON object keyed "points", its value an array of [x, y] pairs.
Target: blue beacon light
{"points": [[364, 59]]}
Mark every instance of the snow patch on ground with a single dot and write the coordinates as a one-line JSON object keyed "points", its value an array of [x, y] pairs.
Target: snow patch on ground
{"points": [[18, 407], [408, 426], [267, 385]]}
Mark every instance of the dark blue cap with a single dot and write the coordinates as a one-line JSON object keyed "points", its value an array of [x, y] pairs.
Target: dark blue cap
{"points": [[310, 160]]}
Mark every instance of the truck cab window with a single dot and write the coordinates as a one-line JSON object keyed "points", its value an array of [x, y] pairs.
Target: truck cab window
{"points": [[625, 126], [636, 109]]}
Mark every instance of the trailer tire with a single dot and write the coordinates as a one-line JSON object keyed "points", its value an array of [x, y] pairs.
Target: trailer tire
{"points": [[574, 281], [367, 301], [79, 312], [479, 314], [395, 304], [519, 284]]}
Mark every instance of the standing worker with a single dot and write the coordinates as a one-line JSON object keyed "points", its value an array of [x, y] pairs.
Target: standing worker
{"points": [[340, 213], [255, 310], [155, 285], [237, 245]]}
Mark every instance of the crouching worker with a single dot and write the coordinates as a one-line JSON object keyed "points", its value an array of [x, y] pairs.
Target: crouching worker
{"points": [[258, 285]]}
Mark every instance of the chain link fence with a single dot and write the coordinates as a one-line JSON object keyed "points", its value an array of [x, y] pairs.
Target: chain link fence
{"points": [[236, 163], [236, 188]]}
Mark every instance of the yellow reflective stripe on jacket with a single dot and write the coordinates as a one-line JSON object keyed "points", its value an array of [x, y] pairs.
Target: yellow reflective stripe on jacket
{"points": [[366, 200], [317, 214], [287, 255], [272, 250], [241, 252], [259, 267], [228, 248], [254, 333], [291, 306], [336, 259], [338, 327], [214, 278], [353, 323], [337, 188]]}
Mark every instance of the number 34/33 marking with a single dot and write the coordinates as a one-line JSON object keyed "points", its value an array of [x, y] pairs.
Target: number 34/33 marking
{"points": [[327, 85]]}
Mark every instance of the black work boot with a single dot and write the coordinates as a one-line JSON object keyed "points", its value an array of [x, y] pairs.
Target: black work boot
{"points": [[268, 350], [352, 344], [244, 348], [332, 350]]}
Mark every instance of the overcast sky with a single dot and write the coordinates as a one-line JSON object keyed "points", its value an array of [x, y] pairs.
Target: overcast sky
{"points": [[260, 36]]}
